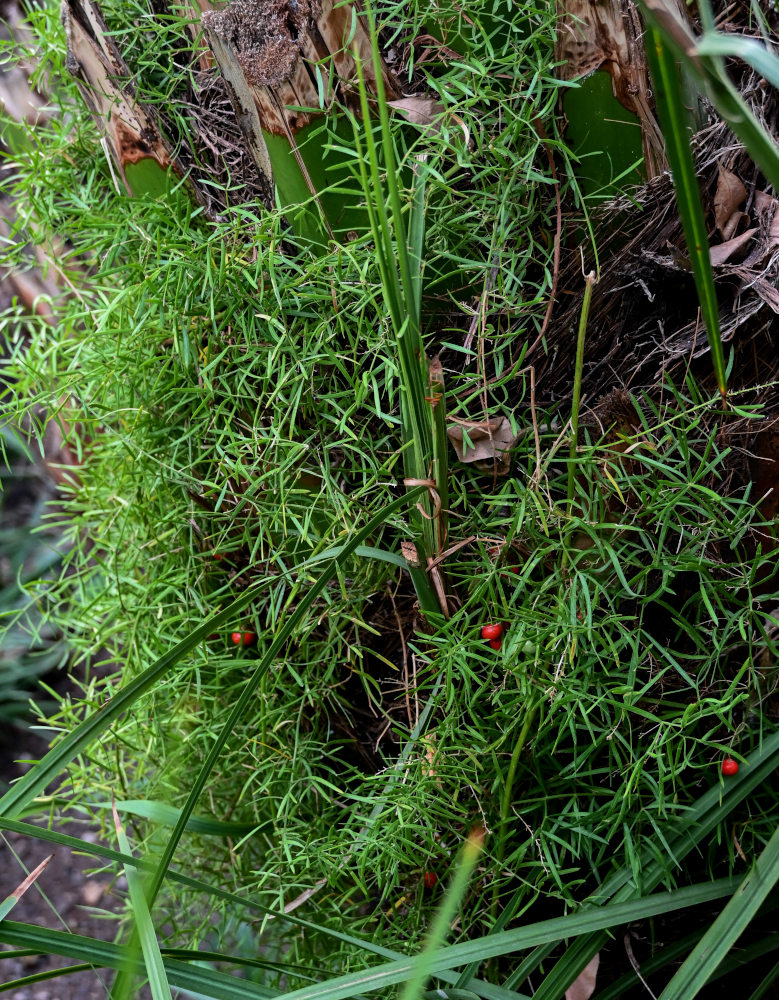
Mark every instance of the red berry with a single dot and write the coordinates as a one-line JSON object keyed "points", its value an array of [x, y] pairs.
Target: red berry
{"points": [[243, 638], [217, 557], [729, 766], [491, 631], [430, 880], [496, 643]]}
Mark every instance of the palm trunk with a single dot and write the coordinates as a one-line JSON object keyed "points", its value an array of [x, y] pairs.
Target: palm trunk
{"points": [[281, 63], [610, 117]]}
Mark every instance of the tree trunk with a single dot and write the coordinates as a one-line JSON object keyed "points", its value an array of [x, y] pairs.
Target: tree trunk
{"points": [[281, 63]]}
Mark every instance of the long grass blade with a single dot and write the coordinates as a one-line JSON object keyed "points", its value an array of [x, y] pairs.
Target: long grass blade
{"points": [[400, 266], [42, 977], [508, 942], [103, 954], [768, 982], [36, 780], [577, 384], [487, 990], [53, 763], [728, 927], [711, 78], [760, 58], [671, 110], [709, 811], [155, 969], [167, 815], [441, 926], [282, 636]]}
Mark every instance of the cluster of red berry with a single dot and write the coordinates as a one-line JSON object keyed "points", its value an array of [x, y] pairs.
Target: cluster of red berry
{"points": [[493, 634], [242, 639]]}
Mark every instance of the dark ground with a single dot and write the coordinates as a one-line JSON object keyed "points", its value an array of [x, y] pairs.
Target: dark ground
{"points": [[65, 897]]}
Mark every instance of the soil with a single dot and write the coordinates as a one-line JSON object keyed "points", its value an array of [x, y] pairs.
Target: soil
{"points": [[65, 897]]}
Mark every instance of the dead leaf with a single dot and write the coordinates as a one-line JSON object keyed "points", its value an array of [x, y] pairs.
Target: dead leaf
{"points": [[737, 845], [583, 986], [409, 552], [731, 226], [773, 229], [488, 442], [722, 253], [304, 896], [25, 884], [419, 110], [730, 194]]}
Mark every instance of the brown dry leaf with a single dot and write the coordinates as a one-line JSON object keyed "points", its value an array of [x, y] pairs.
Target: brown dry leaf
{"points": [[25, 884], [489, 442], [730, 194], [583, 986], [773, 229], [731, 227], [304, 896], [767, 208], [419, 110], [722, 253]]}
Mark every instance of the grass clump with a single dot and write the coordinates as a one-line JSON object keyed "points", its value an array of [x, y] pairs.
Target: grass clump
{"points": [[236, 403]]}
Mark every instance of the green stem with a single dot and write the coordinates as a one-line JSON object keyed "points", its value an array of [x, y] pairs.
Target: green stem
{"points": [[499, 922], [505, 805], [508, 788], [577, 385]]}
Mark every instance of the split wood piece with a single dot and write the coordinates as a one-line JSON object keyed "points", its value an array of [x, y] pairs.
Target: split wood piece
{"points": [[597, 35], [277, 56], [131, 129]]}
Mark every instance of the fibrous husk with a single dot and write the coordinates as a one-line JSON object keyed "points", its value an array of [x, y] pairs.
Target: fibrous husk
{"points": [[644, 319]]}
